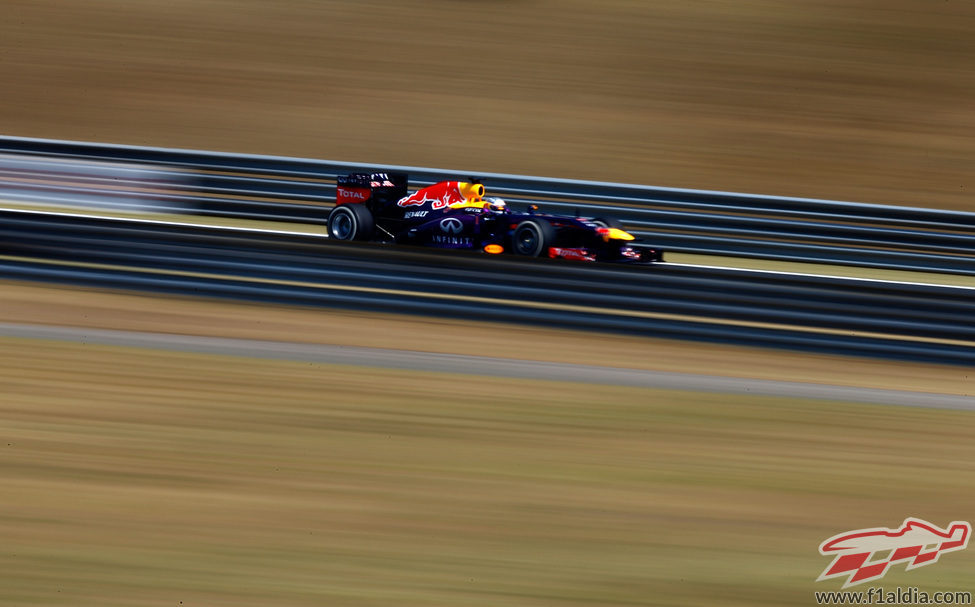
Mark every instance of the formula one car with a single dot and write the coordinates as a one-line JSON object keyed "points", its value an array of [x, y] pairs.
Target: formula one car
{"points": [[456, 215]]}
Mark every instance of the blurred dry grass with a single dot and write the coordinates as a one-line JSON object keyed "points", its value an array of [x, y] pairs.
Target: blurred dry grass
{"points": [[137, 477], [860, 100]]}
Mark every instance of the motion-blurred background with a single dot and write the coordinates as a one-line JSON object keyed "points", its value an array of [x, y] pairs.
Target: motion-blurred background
{"points": [[863, 100]]}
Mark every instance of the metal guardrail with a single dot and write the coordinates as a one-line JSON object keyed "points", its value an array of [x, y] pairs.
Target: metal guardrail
{"points": [[864, 317], [302, 190]]}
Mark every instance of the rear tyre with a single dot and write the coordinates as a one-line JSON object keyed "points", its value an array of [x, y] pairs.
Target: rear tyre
{"points": [[351, 222], [532, 237]]}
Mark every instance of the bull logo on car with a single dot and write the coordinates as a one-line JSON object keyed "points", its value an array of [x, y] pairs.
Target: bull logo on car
{"points": [[443, 195]]}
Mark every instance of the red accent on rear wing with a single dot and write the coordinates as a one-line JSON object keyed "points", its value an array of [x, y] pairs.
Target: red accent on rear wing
{"points": [[346, 194]]}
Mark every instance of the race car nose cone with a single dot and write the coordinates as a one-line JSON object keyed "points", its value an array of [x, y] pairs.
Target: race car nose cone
{"points": [[614, 234]]}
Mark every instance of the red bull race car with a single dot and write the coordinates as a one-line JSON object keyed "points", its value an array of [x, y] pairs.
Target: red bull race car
{"points": [[457, 215]]}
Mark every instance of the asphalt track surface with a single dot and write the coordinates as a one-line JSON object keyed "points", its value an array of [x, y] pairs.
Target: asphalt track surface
{"points": [[801, 311], [486, 366]]}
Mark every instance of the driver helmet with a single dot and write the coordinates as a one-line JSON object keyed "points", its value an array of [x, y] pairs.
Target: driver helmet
{"points": [[494, 204]]}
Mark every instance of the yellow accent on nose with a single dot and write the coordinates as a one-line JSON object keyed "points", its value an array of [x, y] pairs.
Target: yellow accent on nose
{"points": [[494, 249], [617, 234], [614, 234]]}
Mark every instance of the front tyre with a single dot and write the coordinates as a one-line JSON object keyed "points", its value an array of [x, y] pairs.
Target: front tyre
{"points": [[609, 222], [532, 237], [351, 222]]}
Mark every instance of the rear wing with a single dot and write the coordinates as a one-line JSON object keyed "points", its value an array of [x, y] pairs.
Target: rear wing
{"points": [[375, 188]]}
